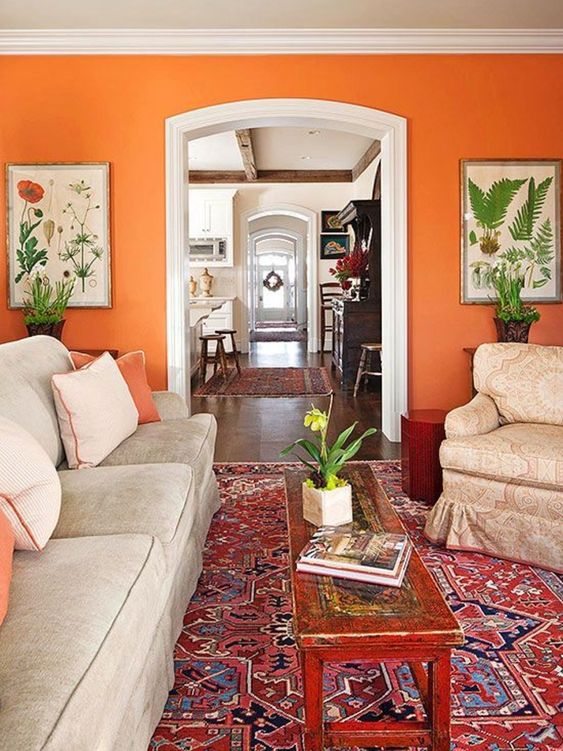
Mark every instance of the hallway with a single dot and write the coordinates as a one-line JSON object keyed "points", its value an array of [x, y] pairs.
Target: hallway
{"points": [[257, 429]]}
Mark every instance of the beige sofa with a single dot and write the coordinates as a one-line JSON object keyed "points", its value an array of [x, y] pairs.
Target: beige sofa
{"points": [[86, 648], [503, 459]]}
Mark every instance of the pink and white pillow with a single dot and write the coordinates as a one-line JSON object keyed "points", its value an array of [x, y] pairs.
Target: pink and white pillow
{"points": [[96, 411], [30, 489]]}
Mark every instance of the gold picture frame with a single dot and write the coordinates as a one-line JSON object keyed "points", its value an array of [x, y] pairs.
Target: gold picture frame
{"points": [[58, 224], [511, 208]]}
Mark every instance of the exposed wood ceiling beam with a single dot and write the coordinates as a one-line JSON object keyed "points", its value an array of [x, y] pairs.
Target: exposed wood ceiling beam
{"points": [[244, 140], [366, 159], [272, 176]]}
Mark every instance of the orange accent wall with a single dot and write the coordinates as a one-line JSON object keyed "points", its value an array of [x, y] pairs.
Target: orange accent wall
{"points": [[113, 108]]}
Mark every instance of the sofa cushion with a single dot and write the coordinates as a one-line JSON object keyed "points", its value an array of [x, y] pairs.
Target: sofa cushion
{"points": [[132, 368], [524, 380], [188, 440], [26, 397], [30, 490], [96, 411], [151, 499], [170, 406], [524, 452], [82, 617]]}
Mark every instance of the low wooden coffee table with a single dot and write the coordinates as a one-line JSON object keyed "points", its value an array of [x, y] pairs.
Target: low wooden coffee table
{"points": [[337, 620]]}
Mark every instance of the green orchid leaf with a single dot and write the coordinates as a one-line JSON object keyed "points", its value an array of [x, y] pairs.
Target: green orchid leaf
{"points": [[310, 448], [343, 437], [473, 238], [355, 446]]}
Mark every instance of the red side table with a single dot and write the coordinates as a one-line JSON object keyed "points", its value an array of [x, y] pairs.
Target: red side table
{"points": [[422, 432]]}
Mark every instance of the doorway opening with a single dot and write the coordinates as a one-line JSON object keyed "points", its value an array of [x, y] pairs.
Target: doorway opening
{"points": [[390, 131], [277, 275]]}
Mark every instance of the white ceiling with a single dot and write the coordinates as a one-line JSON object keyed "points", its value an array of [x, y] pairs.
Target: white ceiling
{"points": [[261, 14], [280, 148]]}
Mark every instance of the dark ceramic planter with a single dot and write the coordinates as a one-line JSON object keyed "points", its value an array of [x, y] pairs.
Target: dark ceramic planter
{"points": [[46, 329], [512, 331]]}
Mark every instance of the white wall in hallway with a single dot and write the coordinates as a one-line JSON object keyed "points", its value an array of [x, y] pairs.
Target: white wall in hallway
{"points": [[314, 196]]}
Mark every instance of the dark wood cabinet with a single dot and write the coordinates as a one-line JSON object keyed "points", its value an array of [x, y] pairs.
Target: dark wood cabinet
{"points": [[353, 323]]}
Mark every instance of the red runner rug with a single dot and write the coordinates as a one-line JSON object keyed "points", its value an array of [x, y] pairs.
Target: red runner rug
{"points": [[272, 382], [238, 683]]}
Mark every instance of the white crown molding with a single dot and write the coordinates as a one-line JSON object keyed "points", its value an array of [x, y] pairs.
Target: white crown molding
{"points": [[277, 41]]}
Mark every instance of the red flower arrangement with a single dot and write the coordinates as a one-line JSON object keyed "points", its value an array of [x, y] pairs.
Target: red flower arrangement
{"points": [[355, 264], [30, 191]]}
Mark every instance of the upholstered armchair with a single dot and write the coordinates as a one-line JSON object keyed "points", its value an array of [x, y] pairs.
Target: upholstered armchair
{"points": [[502, 459]]}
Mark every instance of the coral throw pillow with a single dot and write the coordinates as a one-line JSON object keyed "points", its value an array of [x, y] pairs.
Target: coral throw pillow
{"points": [[6, 554], [96, 412], [132, 367], [30, 489]]}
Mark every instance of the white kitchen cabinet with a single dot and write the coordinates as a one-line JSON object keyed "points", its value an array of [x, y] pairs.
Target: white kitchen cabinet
{"points": [[211, 217]]}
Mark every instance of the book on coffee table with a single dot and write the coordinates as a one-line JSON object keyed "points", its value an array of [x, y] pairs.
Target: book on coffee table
{"points": [[349, 553]]}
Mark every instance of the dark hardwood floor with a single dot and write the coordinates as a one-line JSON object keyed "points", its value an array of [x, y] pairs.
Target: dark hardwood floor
{"points": [[257, 429]]}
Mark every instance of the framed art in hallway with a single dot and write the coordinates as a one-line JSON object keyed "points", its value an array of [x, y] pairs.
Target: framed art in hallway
{"points": [[334, 246], [59, 227], [511, 216], [330, 223]]}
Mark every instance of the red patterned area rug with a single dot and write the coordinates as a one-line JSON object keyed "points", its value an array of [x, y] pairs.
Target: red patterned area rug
{"points": [[276, 382], [238, 684]]}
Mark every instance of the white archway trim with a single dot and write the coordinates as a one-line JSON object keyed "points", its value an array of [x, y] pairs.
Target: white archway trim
{"points": [[312, 254], [390, 129]]}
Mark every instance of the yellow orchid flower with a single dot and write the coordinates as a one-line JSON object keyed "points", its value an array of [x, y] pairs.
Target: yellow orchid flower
{"points": [[316, 420]]}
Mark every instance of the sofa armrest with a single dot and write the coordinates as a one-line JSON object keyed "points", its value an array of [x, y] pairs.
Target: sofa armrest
{"points": [[170, 406], [476, 418]]}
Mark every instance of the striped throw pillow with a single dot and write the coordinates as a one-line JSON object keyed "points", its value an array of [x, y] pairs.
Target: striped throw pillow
{"points": [[30, 489]]}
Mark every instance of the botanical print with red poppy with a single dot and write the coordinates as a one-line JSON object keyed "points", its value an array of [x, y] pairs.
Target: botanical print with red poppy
{"points": [[58, 228]]}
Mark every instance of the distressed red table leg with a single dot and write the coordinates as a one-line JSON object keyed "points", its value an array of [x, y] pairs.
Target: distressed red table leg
{"points": [[439, 700], [313, 699]]}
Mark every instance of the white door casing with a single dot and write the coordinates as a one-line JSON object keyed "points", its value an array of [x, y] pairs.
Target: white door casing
{"points": [[390, 129], [286, 237], [311, 255]]}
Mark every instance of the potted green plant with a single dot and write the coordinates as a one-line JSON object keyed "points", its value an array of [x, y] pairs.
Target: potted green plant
{"points": [[327, 497], [44, 305], [513, 316]]}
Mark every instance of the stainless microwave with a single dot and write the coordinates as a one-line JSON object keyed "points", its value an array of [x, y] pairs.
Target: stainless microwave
{"points": [[208, 248]]}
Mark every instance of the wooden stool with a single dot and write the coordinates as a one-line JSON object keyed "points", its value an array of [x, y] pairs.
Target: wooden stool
{"points": [[364, 365], [218, 358], [328, 292], [234, 353]]}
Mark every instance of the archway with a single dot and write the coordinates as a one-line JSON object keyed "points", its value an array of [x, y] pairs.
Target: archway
{"points": [[262, 242], [312, 252], [389, 129]]}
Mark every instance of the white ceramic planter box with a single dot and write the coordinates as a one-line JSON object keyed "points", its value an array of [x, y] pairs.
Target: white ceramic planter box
{"points": [[327, 507]]}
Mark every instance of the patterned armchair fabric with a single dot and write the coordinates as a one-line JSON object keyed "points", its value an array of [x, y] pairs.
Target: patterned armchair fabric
{"points": [[502, 459], [524, 380]]}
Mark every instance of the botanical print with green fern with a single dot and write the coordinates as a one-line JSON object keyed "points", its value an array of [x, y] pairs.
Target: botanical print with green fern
{"points": [[530, 242]]}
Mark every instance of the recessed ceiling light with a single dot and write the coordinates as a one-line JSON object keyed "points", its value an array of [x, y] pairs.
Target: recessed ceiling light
{"points": [[313, 133], [305, 157]]}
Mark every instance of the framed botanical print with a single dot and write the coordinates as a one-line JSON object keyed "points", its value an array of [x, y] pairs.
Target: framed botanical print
{"points": [[334, 246], [58, 226], [511, 214]]}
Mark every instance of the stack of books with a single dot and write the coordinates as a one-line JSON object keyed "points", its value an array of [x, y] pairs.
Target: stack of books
{"points": [[348, 553]]}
